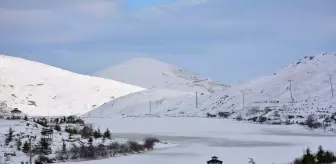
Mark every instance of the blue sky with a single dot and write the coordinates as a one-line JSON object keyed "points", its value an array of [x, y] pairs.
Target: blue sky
{"points": [[226, 40]]}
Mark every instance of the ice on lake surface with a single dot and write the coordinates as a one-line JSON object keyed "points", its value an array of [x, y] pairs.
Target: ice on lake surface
{"points": [[198, 139]]}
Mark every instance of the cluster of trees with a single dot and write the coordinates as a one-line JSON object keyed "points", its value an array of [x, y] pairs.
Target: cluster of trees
{"points": [[10, 138], [88, 132], [219, 114], [91, 151], [320, 157], [57, 121]]}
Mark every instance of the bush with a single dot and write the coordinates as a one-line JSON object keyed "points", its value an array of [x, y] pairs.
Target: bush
{"points": [[310, 121], [239, 118], [57, 128], [211, 115], [262, 119], [43, 159], [87, 131], [74, 152], [149, 143], [224, 114], [135, 147], [114, 148]]}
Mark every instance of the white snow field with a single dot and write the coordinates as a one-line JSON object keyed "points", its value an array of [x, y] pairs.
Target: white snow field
{"points": [[150, 73], [198, 139], [310, 87], [39, 89]]}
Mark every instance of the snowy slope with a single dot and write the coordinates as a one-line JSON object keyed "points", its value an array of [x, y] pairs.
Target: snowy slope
{"points": [[151, 73], [310, 88], [39, 89], [142, 103]]}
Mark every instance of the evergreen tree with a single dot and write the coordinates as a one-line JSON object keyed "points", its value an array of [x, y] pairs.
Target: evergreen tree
{"points": [[64, 151], [329, 157], [87, 131], [91, 150], [26, 118], [308, 157], [97, 134], [25, 147], [320, 155], [57, 128], [9, 136], [107, 134], [18, 144], [90, 141]]}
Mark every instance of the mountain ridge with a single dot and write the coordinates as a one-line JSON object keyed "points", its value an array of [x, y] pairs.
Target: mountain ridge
{"points": [[310, 87], [151, 73], [40, 89]]}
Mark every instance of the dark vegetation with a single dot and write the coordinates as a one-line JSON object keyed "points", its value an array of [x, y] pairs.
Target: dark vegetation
{"points": [[320, 157]]}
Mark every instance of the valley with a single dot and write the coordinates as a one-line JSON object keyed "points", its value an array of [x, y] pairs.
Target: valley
{"points": [[193, 117]]}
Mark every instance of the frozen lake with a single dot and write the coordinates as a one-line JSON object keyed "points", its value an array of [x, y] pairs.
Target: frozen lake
{"points": [[198, 139]]}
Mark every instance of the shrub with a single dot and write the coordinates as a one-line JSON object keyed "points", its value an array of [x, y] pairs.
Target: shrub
{"points": [[74, 151], [310, 121], [135, 147], [101, 150], [262, 119], [211, 115], [224, 114], [149, 143], [43, 159], [113, 148], [57, 128], [87, 131], [239, 118]]}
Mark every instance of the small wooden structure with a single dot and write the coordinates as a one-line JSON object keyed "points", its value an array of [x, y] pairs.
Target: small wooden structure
{"points": [[215, 160]]}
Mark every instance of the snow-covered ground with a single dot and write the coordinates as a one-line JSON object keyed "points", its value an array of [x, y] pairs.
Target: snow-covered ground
{"points": [[39, 89], [150, 73], [308, 80], [199, 139]]}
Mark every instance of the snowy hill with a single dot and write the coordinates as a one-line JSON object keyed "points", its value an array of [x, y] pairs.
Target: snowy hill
{"points": [[265, 96], [151, 73], [39, 89]]}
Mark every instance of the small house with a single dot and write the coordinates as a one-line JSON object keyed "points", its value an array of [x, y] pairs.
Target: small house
{"points": [[215, 160]]}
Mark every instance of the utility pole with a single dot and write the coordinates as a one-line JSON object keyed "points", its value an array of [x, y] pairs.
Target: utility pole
{"points": [[30, 151], [196, 100], [331, 86], [243, 99], [150, 107], [290, 89]]}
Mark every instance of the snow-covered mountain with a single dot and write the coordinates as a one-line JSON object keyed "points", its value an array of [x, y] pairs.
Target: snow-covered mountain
{"points": [[308, 79], [150, 73], [39, 89]]}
